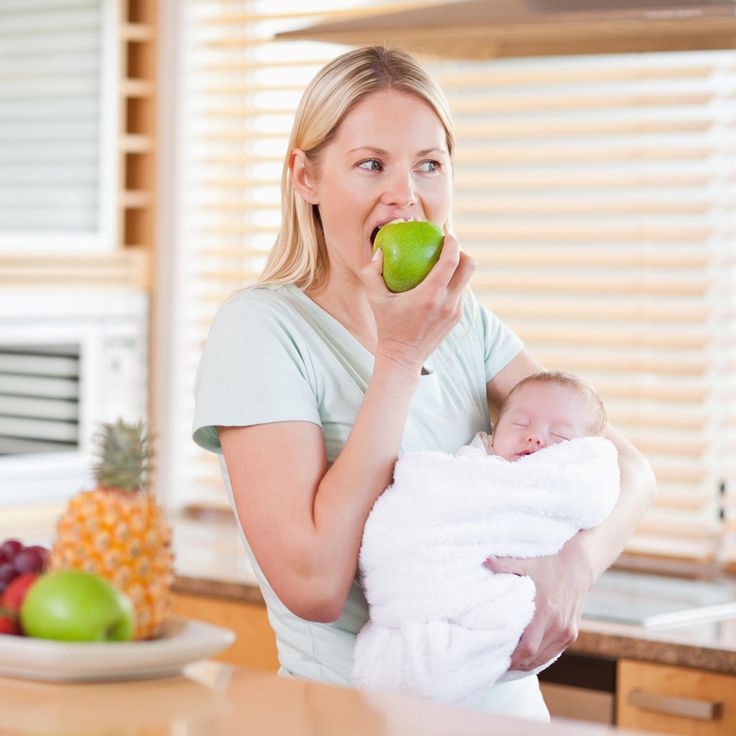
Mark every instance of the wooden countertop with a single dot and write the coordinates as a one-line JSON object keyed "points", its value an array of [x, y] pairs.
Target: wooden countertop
{"points": [[218, 700], [210, 561]]}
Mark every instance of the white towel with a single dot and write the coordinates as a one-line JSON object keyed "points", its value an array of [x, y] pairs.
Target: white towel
{"points": [[442, 625]]}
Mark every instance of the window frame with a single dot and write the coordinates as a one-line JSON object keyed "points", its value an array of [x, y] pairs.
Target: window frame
{"points": [[105, 237]]}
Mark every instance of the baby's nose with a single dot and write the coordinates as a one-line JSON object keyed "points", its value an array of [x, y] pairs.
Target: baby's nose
{"points": [[535, 439]]}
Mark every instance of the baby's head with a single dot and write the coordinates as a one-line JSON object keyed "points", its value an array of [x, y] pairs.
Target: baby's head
{"points": [[544, 409]]}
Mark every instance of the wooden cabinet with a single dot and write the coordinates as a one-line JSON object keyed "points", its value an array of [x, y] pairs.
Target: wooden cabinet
{"points": [[675, 700], [255, 645]]}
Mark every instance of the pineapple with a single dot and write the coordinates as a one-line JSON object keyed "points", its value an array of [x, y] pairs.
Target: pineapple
{"points": [[117, 531]]}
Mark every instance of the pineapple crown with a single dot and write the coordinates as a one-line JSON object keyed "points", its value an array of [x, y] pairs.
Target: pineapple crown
{"points": [[123, 453]]}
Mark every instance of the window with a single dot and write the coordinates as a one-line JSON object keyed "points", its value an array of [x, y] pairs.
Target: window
{"points": [[595, 192], [58, 135]]}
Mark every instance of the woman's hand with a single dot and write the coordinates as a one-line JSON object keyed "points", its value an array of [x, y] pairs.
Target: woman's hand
{"points": [[410, 325], [562, 581]]}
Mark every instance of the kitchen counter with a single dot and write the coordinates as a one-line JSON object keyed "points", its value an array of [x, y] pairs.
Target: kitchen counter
{"points": [[210, 561], [212, 699]]}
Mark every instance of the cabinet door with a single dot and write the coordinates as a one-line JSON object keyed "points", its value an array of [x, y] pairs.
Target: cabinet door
{"points": [[675, 700], [255, 645]]}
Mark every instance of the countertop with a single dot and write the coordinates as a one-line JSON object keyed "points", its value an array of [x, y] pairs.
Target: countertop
{"points": [[213, 699], [210, 561]]}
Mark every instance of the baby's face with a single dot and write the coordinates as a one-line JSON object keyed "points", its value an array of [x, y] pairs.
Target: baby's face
{"points": [[539, 415]]}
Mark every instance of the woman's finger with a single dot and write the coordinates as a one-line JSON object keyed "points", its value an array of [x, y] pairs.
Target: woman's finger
{"points": [[372, 274], [524, 656], [463, 273]]}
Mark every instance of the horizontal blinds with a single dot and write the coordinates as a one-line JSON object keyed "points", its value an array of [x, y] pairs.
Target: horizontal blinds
{"points": [[50, 109], [596, 194], [39, 398], [240, 92]]}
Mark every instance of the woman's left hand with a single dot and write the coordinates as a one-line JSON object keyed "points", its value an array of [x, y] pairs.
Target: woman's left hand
{"points": [[562, 581]]}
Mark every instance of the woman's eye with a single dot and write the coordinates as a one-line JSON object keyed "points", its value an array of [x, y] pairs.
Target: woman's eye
{"points": [[429, 167], [370, 164]]}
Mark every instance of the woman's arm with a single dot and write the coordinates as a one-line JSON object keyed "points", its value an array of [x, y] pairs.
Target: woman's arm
{"points": [[303, 520], [563, 580]]}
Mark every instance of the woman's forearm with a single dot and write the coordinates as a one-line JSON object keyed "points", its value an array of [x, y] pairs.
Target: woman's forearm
{"points": [[361, 472], [603, 544]]}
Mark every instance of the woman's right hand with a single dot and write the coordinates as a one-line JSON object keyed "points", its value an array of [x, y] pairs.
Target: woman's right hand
{"points": [[411, 324]]}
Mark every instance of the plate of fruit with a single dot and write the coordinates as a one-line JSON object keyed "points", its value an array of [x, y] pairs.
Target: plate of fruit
{"points": [[96, 604]]}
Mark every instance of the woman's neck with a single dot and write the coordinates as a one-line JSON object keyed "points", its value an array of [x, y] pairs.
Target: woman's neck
{"points": [[345, 299]]}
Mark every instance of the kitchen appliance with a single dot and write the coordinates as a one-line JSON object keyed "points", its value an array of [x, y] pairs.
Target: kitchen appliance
{"points": [[68, 361]]}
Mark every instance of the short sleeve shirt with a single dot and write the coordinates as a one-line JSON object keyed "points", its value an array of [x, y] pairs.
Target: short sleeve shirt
{"points": [[274, 355]]}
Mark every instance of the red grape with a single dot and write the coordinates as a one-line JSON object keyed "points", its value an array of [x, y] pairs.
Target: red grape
{"points": [[10, 548], [43, 553], [7, 573], [28, 560]]}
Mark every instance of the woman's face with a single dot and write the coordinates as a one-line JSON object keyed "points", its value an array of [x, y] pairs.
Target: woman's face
{"points": [[388, 160]]}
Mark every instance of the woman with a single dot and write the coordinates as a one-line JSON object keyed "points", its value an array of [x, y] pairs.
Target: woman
{"points": [[311, 384]]}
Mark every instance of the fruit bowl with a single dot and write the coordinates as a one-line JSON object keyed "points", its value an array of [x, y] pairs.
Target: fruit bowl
{"points": [[182, 642]]}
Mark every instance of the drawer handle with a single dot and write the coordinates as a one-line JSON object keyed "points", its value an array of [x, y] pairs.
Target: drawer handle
{"points": [[702, 710]]}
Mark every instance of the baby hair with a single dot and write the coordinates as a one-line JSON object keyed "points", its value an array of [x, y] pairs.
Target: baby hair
{"points": [[597, 420]]}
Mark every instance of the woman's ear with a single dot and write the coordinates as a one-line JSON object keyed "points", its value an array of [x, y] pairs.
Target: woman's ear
{"points": [[300, 179]]}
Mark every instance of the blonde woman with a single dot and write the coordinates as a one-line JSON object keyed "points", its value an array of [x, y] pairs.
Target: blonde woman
{"points": [[314, 381]]}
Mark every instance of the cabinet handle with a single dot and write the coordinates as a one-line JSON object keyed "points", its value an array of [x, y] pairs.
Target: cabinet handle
{"points": [[702, 710]]}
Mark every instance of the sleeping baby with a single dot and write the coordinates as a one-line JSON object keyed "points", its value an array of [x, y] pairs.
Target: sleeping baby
{"points": [[441, 625]]}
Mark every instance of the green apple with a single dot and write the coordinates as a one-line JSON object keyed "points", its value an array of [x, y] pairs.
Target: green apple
{"points": [[410, 250], [71, 605]]}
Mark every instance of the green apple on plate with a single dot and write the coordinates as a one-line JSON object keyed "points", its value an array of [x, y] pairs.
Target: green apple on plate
{"points": [[410, 250], [72, 605]]}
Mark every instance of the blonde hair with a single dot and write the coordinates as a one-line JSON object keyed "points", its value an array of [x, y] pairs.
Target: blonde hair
{"points": [[299, 255], [597, 420]]}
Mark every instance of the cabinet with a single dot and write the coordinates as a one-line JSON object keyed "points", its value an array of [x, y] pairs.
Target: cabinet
{"points": [[255, 644], [675, 700]]}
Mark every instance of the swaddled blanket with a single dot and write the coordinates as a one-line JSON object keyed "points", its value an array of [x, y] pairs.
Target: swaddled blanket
{"points": [[442, 625]]}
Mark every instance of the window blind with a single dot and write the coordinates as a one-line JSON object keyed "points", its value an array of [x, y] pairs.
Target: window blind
{"points": [[597, 194], [56, 139]]}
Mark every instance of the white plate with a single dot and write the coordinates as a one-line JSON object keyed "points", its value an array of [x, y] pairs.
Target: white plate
{"points": [[183, 641]]}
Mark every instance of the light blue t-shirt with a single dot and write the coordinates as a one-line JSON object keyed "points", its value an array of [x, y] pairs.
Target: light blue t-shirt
{"points": [[274, 355]]}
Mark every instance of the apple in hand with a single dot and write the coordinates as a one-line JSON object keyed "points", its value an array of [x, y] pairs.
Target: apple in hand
{"points": [[410, 250], [71, 605]]}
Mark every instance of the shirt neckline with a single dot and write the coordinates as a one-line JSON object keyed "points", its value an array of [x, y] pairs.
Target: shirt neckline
{"points": [[367, 354]]}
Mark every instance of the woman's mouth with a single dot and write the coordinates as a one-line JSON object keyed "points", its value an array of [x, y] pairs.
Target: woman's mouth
{"points": [[388, 222]]}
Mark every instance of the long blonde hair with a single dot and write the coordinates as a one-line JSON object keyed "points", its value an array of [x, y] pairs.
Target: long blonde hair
{"points": [[299, 255]]}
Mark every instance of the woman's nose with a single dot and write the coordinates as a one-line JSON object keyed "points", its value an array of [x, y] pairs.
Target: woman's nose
{"points": [[400, 191]]}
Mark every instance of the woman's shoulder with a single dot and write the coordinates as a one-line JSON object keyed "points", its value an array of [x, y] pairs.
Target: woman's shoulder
{"points": [[256, 297], [256, 303], [475, 318]]}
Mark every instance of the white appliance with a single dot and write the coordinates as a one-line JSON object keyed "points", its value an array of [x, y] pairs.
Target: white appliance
{"points": [[68, 361]]}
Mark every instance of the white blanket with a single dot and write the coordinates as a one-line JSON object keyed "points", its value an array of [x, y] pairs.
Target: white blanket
{"points": [[442, 625]]}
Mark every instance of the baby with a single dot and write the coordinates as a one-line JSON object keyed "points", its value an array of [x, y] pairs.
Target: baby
{"points": [[542, 410], [441, 626]]}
